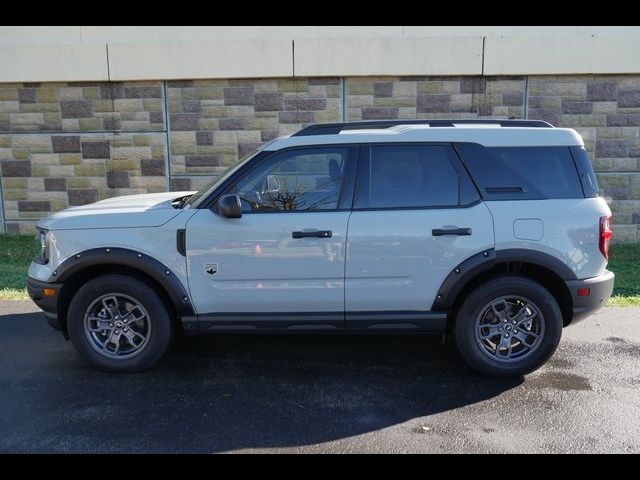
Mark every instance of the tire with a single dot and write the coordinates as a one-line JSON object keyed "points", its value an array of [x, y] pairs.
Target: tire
{"points": [[101, 305], [486, 340]]}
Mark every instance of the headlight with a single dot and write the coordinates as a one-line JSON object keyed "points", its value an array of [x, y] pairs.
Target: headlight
{"points": [[43, 240]]}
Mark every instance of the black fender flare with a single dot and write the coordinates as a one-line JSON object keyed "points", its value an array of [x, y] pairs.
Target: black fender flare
{"points": [[131, 259], [463, 273]]}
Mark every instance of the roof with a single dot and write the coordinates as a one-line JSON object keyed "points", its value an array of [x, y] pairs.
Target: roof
{"points": [[496, 133]]}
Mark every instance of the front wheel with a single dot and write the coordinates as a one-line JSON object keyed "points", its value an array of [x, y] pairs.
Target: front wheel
{"points": [[508, 327], [119, 323]]}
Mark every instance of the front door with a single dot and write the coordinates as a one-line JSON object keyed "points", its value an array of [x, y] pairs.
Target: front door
{"points": [[282, 263], [416, 216]]}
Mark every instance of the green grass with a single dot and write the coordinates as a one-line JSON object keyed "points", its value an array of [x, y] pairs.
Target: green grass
{"points": [[625, 263], [622, 301], [16, 252]]}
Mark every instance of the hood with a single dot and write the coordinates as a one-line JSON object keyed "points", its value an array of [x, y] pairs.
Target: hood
{"points": [[129, 211]]}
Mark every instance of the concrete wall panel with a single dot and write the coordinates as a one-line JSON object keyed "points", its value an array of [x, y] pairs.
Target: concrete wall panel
{"points": [[219, 59], [561, 55], [388, 56], [53, 63]]}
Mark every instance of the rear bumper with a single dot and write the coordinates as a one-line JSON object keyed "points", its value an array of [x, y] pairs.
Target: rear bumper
{"points": [[600, 289], [49, 305]]}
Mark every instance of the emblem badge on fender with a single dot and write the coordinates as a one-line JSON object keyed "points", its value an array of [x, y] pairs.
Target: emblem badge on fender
{"points": [[211, 268]]}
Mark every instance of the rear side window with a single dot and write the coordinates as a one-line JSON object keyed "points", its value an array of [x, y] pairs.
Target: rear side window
{"points": [[522, 173], [409, 176]]}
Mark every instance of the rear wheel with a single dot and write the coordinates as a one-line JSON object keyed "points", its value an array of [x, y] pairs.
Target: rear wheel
{"points": [[508, 327], [118, 323]]}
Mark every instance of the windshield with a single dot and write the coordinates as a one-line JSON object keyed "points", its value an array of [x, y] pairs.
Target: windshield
{"points": [[203, 193]]}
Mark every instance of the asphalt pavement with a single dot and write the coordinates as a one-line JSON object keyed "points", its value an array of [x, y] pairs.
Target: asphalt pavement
{"points": [[329, 393]]}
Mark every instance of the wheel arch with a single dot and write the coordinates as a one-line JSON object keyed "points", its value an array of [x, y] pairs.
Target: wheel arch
{"points": [[543, 268], [83, 266]]}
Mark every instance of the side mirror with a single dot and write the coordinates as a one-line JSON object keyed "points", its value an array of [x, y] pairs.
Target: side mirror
{"points": [[229, 206]]}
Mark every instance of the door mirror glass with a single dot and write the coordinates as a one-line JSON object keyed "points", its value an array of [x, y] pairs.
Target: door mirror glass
{"points": [[229, 206]]}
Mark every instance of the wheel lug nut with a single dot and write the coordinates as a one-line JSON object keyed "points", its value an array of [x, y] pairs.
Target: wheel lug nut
{"points": [[117, 317], [515, 331], [125, 329], [126, 321], [111, 324], [117, 332], [514, 322], [506, 335]]}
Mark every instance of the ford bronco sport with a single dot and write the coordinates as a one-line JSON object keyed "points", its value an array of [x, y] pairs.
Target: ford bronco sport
{"points": [[492, 230]]}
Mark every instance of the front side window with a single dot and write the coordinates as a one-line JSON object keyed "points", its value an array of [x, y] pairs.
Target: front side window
{"points": [[407, 176], [295, 180], [201, 195]]}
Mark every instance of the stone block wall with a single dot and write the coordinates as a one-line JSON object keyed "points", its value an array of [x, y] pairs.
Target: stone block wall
{"points": [[434, 97], [65, 144], [50, 172], [213, 123]]}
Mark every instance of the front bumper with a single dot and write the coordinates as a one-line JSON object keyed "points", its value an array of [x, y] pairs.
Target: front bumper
{"points": [[48, 304], [600, 289]]}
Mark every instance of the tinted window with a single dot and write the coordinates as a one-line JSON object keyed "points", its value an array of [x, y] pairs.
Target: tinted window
{"points": [[307, 179], [405, 176], [508, 173], [585, 170]]}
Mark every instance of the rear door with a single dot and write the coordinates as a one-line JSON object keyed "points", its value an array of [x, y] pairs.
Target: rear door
{"points": [[416, 216]]}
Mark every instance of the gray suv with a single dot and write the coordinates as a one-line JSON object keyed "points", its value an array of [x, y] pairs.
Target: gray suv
{"points": [[492, 230]]}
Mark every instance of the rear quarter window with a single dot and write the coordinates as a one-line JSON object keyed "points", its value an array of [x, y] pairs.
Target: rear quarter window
{"points": [[522, 173], [585, 170]]}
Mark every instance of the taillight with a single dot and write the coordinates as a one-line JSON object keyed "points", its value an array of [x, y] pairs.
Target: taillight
{"points": [[605, 235]]}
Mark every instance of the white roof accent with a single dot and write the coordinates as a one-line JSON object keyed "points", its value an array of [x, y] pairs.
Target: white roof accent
{"points": [[487, 135]]}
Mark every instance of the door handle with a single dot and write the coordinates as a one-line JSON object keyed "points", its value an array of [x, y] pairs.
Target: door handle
{"points": [[313, 234], [438, 232]]}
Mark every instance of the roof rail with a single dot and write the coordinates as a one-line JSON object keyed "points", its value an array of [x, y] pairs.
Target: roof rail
{"points": [[335, 128]]}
